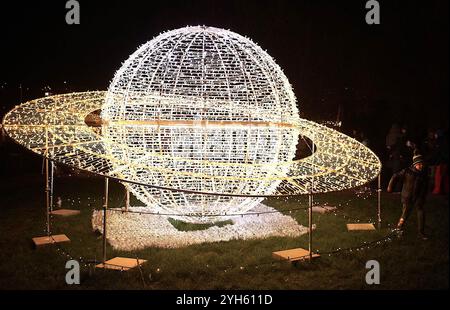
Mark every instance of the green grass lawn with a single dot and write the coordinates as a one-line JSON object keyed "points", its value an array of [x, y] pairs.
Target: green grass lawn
{"points": [[405, 264]]}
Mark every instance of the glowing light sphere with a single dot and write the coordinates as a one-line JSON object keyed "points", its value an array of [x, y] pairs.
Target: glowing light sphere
{"points": [[200, 101], [199, 123]]}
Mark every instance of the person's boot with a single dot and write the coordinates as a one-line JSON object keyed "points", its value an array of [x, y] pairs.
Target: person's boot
{"points": [[400, 225]]}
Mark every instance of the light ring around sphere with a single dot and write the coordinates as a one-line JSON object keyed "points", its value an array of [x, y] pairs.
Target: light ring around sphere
{"points": [[188, 177], [206, 95]]}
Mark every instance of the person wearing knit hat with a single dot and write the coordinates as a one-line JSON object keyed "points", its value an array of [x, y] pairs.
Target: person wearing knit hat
{"points": [[417, 159], [414, 192]]}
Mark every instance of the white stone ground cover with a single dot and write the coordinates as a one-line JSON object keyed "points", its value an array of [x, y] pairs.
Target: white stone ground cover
{"points": [[133, 231]]}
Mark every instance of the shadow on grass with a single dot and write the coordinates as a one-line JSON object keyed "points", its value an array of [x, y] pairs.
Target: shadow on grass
{"points": [[185, 226]]}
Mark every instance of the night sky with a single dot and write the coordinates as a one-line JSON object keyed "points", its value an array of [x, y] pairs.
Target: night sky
{"points": [[378, 74]]}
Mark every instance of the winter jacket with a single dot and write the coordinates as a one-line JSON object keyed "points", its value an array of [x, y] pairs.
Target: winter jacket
{"points": [[415, 185]]}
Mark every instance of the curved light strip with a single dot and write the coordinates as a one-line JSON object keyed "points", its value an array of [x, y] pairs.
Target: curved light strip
{"points": [[339, 162], [197, 121]]}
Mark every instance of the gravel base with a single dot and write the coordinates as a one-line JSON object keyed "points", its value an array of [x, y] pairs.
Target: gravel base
{"points": [[131, 231]]}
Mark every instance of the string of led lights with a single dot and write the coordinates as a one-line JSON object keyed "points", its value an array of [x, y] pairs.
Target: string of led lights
{"points": [[198, 121], [360, 247], [77, 145], [339, 209], [74, 143], [356, 248], [367, 194]]}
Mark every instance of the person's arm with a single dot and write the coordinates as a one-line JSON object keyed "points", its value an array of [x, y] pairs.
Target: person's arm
{"points": [[394, 179]]}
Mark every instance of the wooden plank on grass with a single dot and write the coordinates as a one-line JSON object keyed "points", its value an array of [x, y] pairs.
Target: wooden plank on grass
{"points": [[361, 226], [121, 263], [40, 241], [293, 255]]}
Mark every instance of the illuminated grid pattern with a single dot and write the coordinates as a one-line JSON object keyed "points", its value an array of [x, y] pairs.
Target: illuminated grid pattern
{"points": [[209, 96], [198, 121]]}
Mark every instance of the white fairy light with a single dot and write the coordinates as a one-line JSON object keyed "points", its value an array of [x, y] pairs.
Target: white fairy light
{"points": [[199, 121], [203, 100]]}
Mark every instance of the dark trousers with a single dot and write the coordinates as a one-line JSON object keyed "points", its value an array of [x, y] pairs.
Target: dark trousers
{"points": [[406, 211]]}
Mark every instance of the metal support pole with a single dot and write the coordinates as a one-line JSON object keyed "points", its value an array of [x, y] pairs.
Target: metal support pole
{"points": [[379, 200], [310, 196], [127, 199], [47, 185], [52, 170], [105, 207], [47, 196]]}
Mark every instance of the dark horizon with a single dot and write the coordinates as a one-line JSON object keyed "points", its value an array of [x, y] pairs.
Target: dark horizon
{"points": [[378, 74]]}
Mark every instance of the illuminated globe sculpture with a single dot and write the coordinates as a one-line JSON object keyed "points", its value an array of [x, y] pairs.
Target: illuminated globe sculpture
{"points": [[199, 123], [201, 101]]}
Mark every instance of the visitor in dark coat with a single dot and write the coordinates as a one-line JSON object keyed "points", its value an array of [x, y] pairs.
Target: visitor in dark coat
{"points": [[414, 192]]}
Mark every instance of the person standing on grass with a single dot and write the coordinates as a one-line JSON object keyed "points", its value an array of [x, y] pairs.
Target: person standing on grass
{"points": [[414, 192]]}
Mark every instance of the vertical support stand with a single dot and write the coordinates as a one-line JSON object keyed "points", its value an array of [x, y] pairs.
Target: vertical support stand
{"points": [[127, 199], [311, 190], [116, 263], [300, 254], [47, 196], [52, 169], [47, 185], [49, 239], [379, 200], [105, 207], [310, 222]]}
